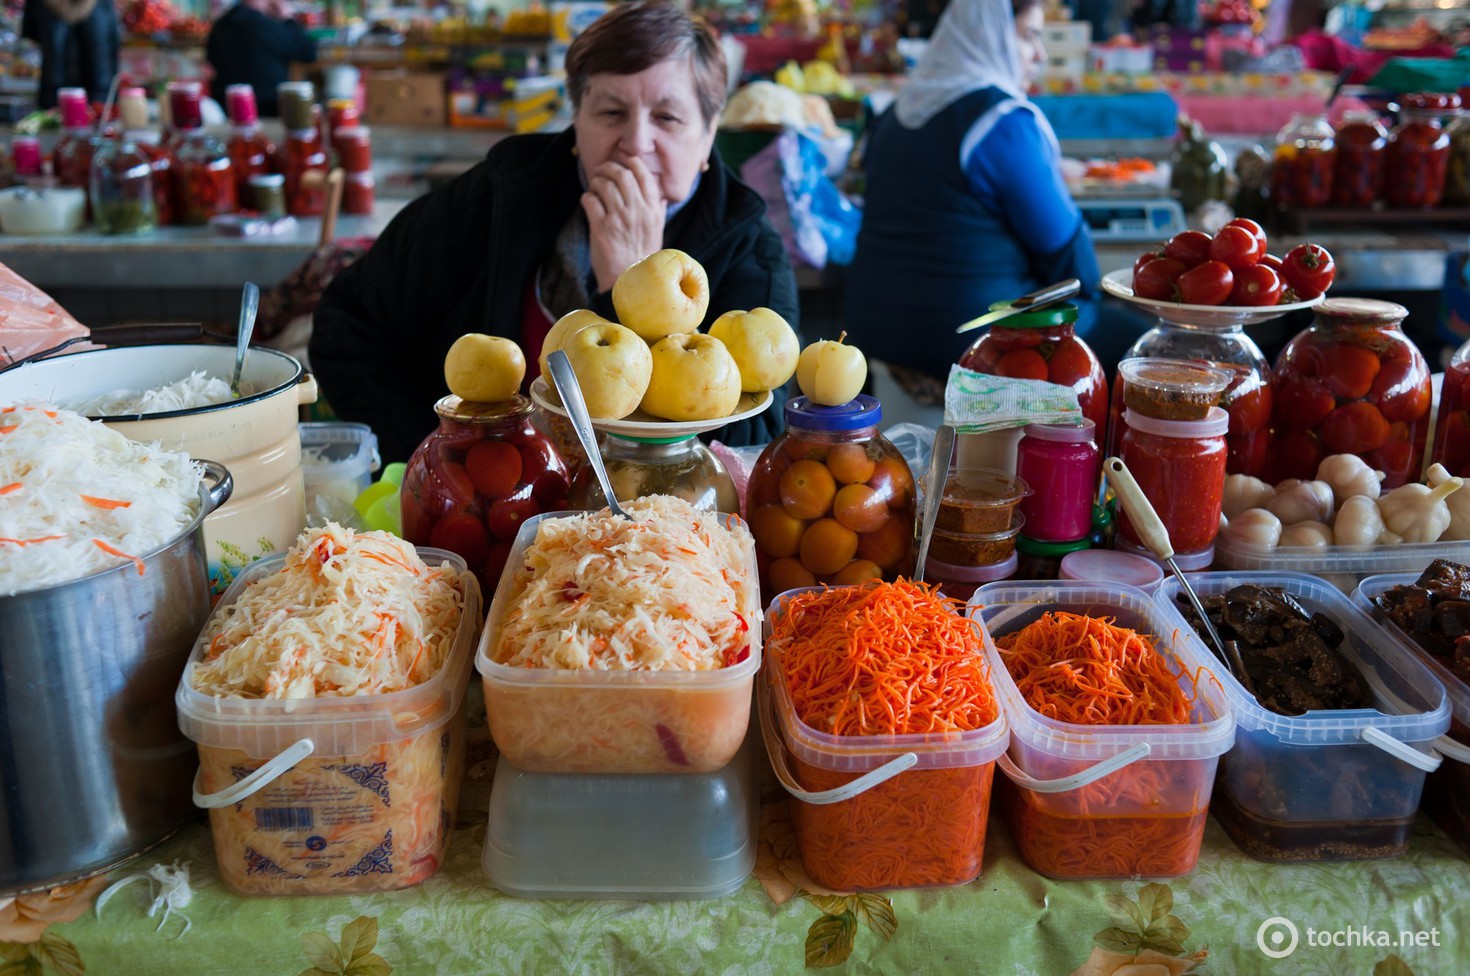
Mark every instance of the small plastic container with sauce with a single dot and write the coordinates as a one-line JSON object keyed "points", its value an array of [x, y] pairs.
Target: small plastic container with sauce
{"points": [[1171, 389], [1180, 466], [976, 548], [1061, 465], [979, 500]]}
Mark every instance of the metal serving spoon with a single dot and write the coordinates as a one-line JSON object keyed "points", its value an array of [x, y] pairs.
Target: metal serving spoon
{"points": [[933, 493], [570, 391], [249, 305]]}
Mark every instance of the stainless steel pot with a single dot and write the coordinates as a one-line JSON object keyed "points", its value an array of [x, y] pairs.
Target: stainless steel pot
{"points": [[93, 768]]}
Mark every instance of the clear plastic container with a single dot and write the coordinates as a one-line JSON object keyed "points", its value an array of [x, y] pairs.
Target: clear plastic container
{"points": [[1180, 466], [1140, 808], [980, 500], [976, 548], [338, 460], [1342, 566], [678, 837], [1304, 162], [1061, 465], [1447, 790], [637, 467], [1328, 785], [585, 721], [1171, 389], [960, 582], [1112, 566], [368, 805], [881, 837]]}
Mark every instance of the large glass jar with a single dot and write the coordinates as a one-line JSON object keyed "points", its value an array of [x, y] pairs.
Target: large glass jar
{"points": [[1457, 173], [122, 188], [473, 482], [831, 500], [1303, 163], [251, 152], [304, 164], [638, 467], [1362, 144], [204, 179], [1419, 152], [1247, 399], [1452, 428], [71, 156], [1043, 345], [161, 161], [1180, 467], [1351, 383]]}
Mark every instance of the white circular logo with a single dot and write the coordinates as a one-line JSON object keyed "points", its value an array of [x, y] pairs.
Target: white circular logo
{"points": [[1277, 937]]}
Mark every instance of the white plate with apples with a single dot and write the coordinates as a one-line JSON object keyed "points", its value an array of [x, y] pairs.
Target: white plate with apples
{"points": [[1119, 284], [641, 424]]}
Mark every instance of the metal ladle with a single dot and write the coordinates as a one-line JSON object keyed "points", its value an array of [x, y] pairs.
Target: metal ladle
{"points": [[570, 391], [249, 305], [933, 493], [1155, 536]]}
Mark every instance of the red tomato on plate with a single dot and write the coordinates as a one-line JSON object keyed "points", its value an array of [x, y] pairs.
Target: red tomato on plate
{"points": [[1206, 284]]}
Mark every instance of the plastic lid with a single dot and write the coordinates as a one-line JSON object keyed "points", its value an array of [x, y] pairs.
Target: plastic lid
{"points": [[941, 571], [858, 413], [1113, 566], [1175, 375], [240, 102], [1035, 547], [1062, 313], [352, 133], [267, 179], [1078, 433], [76, 113], [1215, 424], [1359, 311], [1188, 562]]}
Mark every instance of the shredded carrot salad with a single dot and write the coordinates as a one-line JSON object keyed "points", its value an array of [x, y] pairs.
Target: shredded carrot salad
{"points": [[1089, 671], [882, 659]]}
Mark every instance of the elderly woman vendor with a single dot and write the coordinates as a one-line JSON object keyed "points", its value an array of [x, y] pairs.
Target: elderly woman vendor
{"points": [[546, 223]]}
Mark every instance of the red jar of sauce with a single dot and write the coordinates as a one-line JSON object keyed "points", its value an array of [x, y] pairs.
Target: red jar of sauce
{"points": [[1362, 144], [1180, 465], [354, 148], [1419, 152], [1061, 465]]}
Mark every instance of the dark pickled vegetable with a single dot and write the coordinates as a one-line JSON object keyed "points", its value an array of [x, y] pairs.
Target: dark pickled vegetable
{"points": [[1435, 611]]}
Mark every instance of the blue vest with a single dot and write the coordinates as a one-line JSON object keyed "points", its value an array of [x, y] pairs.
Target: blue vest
{"points": [[930, 256]]}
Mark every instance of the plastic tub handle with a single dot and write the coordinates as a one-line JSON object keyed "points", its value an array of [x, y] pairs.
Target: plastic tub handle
{"points": [[1373, 735], [1451, 749], [777, 753], [258, 780], [1091, 774]]}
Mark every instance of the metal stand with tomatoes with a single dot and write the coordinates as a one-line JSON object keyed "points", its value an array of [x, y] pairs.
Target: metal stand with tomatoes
{"points": [[1205, 290]]}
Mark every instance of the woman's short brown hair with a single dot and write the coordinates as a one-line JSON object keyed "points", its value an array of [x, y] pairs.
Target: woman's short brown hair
{"points": [[635, 36]]}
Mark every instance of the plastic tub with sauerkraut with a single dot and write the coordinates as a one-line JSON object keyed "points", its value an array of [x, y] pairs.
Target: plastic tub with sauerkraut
{"points": [[556, 718], [333, 795]]}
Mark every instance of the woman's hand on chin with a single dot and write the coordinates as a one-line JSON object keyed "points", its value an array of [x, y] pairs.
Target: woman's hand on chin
{"points": [[625, 217]]}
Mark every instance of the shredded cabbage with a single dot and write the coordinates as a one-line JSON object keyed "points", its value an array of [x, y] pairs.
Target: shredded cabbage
{"points": [[195, 390], [77, 497]]}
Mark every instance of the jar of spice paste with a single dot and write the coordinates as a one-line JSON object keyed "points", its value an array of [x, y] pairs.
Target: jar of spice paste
{"points": [[1060, 464], [1180, 466]]}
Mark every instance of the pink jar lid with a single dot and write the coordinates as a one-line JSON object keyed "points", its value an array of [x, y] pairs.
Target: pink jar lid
{"points": [[937, 571], [240, 103], [1114, 566], [352, 133], [1078, 433], [1215, 424], [76, 113]]}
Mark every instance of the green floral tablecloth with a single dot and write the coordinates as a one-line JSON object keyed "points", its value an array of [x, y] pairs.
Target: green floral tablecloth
{"points": [[1010, 921]]}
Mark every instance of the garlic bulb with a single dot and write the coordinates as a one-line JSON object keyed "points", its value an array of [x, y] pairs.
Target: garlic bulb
{"points": [[1253, 527], [1305, 501]]}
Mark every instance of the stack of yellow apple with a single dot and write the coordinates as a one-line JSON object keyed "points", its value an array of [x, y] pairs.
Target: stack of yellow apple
{"points": [[655, 359]]}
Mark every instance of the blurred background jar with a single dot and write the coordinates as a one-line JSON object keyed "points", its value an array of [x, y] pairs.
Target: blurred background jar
{"points": [[1419, 151], [1351, 383], [831, 500], [122, 188], [638, 467], [1452, 428], [1199, 167], [204, 179], [251, 151], [1457, 172], [1362, 144], [1304, 162]]}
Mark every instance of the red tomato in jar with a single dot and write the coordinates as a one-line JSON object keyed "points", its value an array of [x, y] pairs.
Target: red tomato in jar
{"points": [[494, 564], [1396, 460], [537, 458], [1308, 270], [494, 467], [1236, 248], [550, 491], [1249, 409], [1156, 279], [1302, 403], [461, 532], [1255, 229], [1206, 284], [415, 522], [506, 516], [1401, 390], [1354, 428], [1295, 454], [1256, 285], [1348, 371], [455, 489], [1069, 364], [1190, 246], [1022, 364]]}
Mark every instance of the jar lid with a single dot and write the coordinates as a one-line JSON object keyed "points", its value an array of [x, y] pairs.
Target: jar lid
{"points": [[1360, 311], [859, 412], [1432, 101], [941, 572], [1215, 424], [1062, 313], [454, 407], [1113, 566], [1081, 432], [267, 179], [352, 133], [1035, 547], [1188, 562]]}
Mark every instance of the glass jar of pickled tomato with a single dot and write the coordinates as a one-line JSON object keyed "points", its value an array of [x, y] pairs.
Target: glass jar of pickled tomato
{"points": [[1247, 399], [1362, 144], [1043, 345], [1304, 162], [639, 466], [204, 178], [831, 500], [473, 482], [1452, 429], [1351, 383], [1457, 175], [1180, 466], [1419, 152], [304, 164]]}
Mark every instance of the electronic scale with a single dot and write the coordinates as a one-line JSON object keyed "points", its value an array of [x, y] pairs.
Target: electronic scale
{"points": [[1123, 219]]}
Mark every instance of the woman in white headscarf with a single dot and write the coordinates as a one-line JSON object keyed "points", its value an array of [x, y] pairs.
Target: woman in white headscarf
{"points": [[965, 203]]}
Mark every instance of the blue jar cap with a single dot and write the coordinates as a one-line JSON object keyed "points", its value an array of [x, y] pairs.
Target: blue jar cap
{"points": [[856, 414]]}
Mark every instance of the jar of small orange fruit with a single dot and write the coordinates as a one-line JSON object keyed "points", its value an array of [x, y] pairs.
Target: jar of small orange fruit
{"points": [[831, 500]]}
